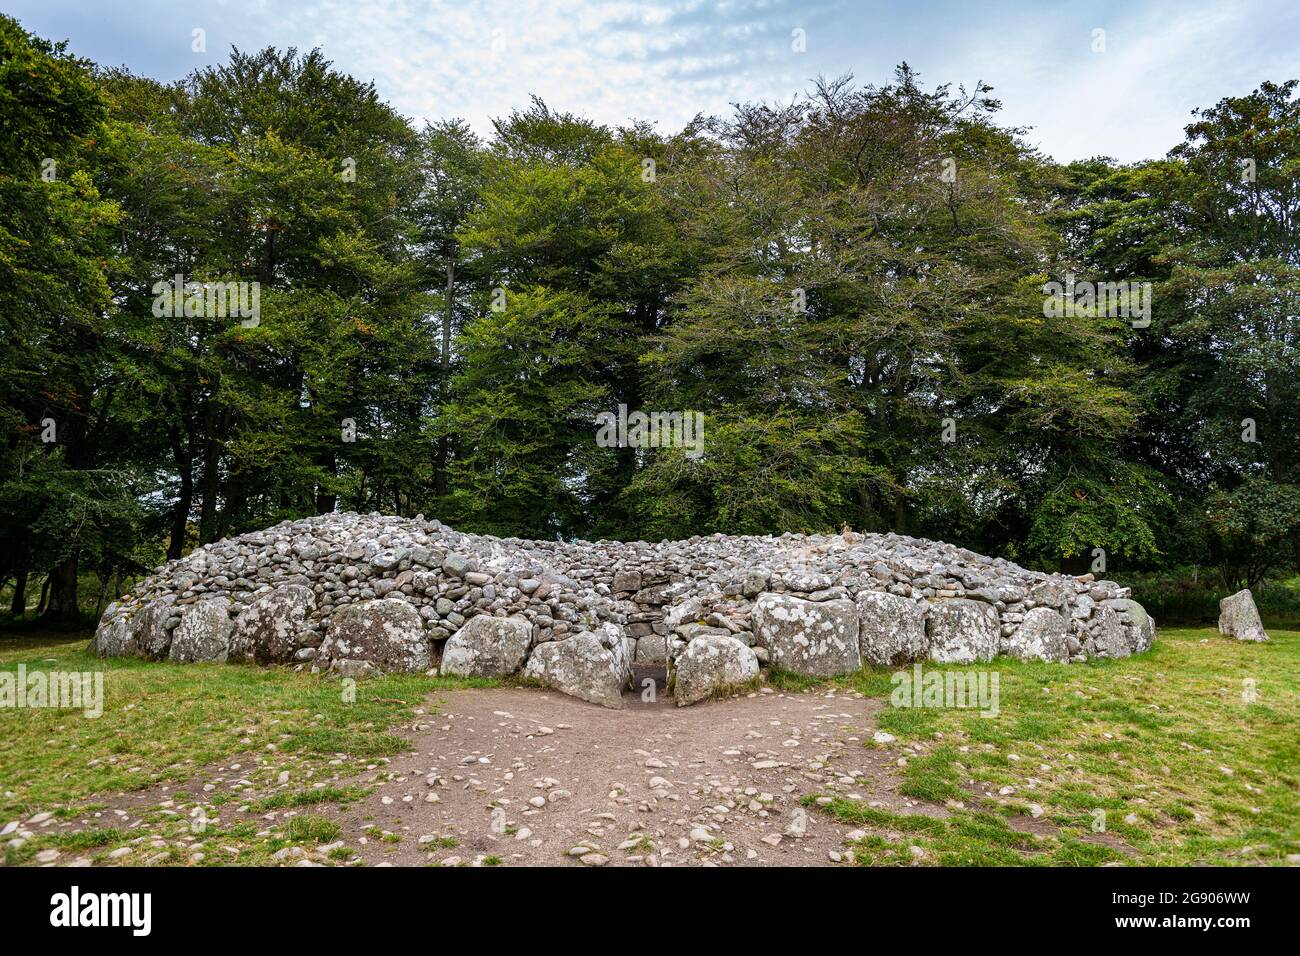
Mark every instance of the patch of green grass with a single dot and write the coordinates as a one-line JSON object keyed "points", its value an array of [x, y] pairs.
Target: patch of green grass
{"points": [[307, 798], [165, 722], [789, 681], [963, 838], [309, 828], [94, 839], [723, 691], [933, 777], [1190, 751]]}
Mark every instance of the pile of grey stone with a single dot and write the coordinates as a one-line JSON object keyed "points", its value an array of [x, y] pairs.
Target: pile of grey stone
{"points": [[360, 594]]}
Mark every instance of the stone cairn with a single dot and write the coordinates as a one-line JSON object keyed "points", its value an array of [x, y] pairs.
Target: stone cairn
{"points": [[356, 595]]}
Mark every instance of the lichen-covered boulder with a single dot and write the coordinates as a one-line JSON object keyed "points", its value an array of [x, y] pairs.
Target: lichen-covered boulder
{"points": [[271, 627], [1107, 637], [710, 664], [817, 638], [203, 635], [1239, 618], [151, 629], [652, 649], [387, 632], [488, 647], [1051, 593], [962, 631], [891, 628], [592, 666], [113, 636], [1040, 637], [1139, 628], [1142, 628]]}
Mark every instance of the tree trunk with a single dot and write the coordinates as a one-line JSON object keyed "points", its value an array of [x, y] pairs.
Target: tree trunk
{"points": [[217, 428], [103, 593], [18, 606], [185, 498], [443, 450], [326, 500], [63, 592]]}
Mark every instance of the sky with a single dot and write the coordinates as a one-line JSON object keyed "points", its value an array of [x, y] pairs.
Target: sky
{"points": [[1126, 92]]}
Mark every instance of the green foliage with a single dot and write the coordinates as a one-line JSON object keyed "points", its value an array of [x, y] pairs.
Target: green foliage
{"points": [[849, 288], [1258, 525]]}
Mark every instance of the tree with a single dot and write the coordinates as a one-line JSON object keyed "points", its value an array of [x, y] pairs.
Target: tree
{"points": [[58, 383]]}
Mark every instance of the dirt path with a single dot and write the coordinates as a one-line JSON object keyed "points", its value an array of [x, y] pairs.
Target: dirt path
{"points": [[524, 776]]}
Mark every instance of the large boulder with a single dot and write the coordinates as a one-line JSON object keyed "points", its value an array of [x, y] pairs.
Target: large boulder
{"points": [[387, 632], [592, 666], [710, 664], [817, 638], [1040, 637], [1239, 618], [150, 631], [271, 627], [962, 631], [1142, 627], [1107, 636], [891, 629], [1139, 628], [488, 647], [652, 649], [114, 637], [203, 635]]}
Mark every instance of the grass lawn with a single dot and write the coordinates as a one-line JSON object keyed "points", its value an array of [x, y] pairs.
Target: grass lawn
{"points": [[169, 722], [1189, 754]]}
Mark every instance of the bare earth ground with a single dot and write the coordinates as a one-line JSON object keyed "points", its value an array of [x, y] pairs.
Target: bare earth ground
{"points": [[715, 783]]}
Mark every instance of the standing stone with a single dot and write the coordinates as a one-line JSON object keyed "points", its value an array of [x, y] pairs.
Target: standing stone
{"points": [[710, 664], [1040, 637], [817, 638], [891, 629], [590, 666], [1239, 618], [488, 647], [269, 629], [962, 631], [203, 633], [387, 632]]}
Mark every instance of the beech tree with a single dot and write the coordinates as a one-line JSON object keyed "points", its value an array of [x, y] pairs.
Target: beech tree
{"points": [[850, 287]]}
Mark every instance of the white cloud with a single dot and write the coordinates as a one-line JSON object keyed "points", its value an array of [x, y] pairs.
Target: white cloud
{"points": [[667, 60]]}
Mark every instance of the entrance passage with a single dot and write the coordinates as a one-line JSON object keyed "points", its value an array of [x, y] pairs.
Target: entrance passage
{"points": [[649, 687]]}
